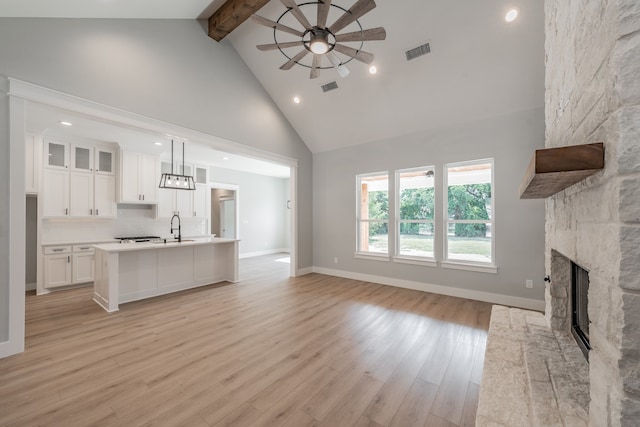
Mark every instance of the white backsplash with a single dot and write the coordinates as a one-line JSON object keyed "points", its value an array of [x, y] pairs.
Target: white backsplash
{"points": [[132, 220]]}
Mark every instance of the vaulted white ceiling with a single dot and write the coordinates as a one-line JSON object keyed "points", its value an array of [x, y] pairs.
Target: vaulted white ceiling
{"points": [[479, 65]]}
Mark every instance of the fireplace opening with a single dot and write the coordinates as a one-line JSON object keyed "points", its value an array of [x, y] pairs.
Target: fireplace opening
{"points": [[579, 303]]}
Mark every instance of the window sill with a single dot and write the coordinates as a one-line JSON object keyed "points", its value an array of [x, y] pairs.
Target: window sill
{"points": [[415, 261], [470, 267], [371, 256]]}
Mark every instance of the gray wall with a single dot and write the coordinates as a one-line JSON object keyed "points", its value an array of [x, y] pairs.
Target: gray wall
{"points": [[31, 246], [4, 212], [167, 70], [262, 203], [519, 227]]}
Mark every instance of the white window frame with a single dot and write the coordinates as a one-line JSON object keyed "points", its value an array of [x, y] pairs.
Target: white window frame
{"points": [[359, 220], [480, 266], [414, 259]]}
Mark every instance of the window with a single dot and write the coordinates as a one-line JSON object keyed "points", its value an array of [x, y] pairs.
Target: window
{"points": [[373, 213], [469, 212], [415, 216]]}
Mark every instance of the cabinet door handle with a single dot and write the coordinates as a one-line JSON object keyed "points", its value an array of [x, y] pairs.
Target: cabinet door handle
{"points": [[194, 213], [57, 250], [68, 259], [143, 197], [84, 248], [90, 211], [96, 212], [66, 211]]}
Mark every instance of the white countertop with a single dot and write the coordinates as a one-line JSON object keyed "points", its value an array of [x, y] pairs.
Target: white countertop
{"points": [[140, 246], [79, 242]]}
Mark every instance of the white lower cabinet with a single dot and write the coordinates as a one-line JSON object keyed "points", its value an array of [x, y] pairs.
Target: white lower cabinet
{"points": [[82, 265], [68, 265], [57, 270]]}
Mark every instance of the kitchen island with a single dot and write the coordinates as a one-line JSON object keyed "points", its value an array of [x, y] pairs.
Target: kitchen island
{"points": [[127, 272]]}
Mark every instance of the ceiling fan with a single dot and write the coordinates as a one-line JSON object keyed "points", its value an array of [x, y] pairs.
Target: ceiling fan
{"points": [[322, 40]]}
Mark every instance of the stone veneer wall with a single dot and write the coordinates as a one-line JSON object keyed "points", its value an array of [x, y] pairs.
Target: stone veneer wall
{"points": [[592, 56]]}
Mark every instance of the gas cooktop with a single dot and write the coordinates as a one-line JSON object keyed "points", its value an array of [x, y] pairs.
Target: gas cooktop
{"points": [[137, 238]]}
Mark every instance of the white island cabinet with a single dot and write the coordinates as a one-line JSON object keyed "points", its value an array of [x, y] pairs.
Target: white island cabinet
{"points": [[127, 272]]}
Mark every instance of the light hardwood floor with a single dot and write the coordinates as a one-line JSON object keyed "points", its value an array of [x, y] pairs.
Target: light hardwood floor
{"points": [[268, 351]]}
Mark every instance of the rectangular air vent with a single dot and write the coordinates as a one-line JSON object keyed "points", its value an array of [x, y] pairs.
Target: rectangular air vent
{"points": [[418, 51], [329, 86]]}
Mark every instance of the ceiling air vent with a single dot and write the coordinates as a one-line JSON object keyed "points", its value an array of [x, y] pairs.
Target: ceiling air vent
{"points": [[418, 51], [329, 86]]}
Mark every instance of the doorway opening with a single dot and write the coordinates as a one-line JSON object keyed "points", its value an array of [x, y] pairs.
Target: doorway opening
{"points": [[224, 213]]}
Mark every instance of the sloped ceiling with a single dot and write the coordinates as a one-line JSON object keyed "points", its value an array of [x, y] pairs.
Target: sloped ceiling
{"points": [[479, 65]]}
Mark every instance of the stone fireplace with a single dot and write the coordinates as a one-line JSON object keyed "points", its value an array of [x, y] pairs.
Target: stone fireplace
{"points": [[592, 52]]}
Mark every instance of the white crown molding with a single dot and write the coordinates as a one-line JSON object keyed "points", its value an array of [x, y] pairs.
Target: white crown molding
{"points": [[54, 98], [529, 304]]}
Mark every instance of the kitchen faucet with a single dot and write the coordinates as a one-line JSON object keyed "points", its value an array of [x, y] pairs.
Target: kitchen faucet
{"points": [[179, 232]]}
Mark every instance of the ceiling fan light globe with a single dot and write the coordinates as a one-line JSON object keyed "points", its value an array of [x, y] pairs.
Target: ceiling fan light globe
{"points": [[319, 46]]}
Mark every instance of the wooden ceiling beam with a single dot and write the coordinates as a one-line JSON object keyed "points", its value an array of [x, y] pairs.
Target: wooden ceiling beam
{"points": [[230, 15]]}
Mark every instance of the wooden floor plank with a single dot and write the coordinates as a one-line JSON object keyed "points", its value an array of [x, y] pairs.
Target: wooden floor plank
{"points": [[268, 351]]}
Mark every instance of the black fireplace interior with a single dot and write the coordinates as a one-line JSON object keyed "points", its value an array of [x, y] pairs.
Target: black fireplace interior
{"points": [[580, 315]]}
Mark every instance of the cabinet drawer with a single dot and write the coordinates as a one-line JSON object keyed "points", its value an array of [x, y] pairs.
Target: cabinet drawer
{"points": [[82, 248], [52, 250]]}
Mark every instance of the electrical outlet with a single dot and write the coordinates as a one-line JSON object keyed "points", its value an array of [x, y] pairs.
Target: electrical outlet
{"points": [[529, 283], [335, 260]]}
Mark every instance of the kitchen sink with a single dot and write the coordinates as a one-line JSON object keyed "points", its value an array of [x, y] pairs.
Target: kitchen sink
{"points": [[162, 242]]}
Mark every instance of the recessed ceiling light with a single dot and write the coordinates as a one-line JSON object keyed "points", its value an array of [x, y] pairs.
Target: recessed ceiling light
{"points": [[158, 143], [65, 123], [373, 69], [296, 100], [225, 158], [511, 15]]}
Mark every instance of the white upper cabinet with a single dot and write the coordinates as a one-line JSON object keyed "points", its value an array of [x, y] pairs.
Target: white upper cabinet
{"points": [[80, 194], [200, 174], [105, 160], [186, 203], [200, 201], [138, 178], [81, 158], [104, 202], [78, 189], [56, 155], [55, 193]]}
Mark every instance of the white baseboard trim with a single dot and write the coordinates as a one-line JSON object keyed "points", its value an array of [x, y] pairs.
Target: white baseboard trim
{"points": [[529, 304], [304, 271], [261, 253], [31, 286]]}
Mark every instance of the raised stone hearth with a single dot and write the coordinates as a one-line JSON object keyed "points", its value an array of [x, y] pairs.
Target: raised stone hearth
{"points": [[532, 376]]}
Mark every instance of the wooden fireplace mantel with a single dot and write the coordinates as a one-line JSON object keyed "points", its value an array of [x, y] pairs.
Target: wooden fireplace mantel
{"points": [[551, 170]]}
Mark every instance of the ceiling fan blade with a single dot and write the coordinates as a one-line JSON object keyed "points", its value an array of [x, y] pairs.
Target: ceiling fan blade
{"points": [[357, 10], [273, 24], [274, 46], [315, 71], [323, 13], [377, 33], [335, 61], [297, 13], [360, 55], [290, 63]]}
